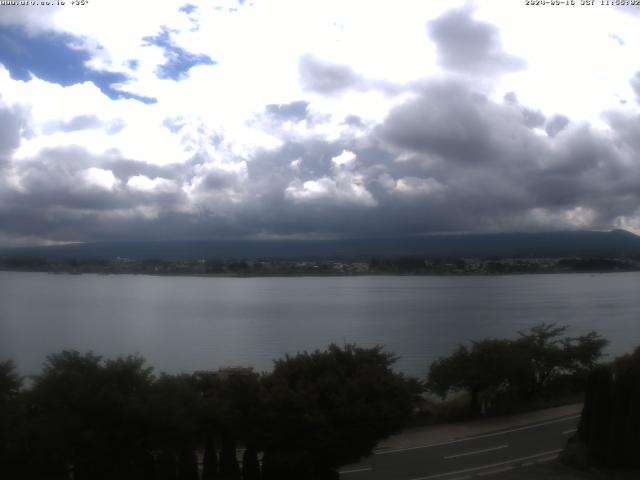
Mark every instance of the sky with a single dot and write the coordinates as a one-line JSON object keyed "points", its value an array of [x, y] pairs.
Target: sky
{"points": [[267, 119]]}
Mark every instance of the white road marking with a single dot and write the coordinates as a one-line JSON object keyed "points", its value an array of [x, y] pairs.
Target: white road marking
{"points": [[357, 470], [568, 432], [484, 467], [496, 470], [486, 435], [475, 452]]}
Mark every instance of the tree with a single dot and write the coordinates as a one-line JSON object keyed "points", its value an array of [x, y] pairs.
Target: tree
{"points": [[175, 408], [550, 355], [91, 416], [250, 464], [490, 366], [329, 408], [10, 419], [609, 427], [232, 411], [517, 369], [210, 459], [10, 381], [545, 353]]}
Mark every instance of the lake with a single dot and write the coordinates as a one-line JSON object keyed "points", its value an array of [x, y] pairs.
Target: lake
{"points": [[182, 324]]}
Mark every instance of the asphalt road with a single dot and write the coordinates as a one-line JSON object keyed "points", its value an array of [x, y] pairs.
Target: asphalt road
{"points": [[471, 457]]}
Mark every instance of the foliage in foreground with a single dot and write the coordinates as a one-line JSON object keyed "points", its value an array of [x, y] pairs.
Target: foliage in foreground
{"points": [[497, 373], [337, 404], [114, 419], [609, 430]]}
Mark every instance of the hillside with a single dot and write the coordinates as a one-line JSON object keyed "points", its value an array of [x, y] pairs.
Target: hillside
{"points": [[615, 243]]}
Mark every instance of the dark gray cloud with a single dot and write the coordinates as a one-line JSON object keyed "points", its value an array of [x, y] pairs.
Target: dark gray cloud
{"points": [[532, 118], [11, 124], [447, 159], [470, 46], [556, 124], [289, 111], [446, 120], [54, 180], [66, 192], [510, 98], [124, 168], [627, 130], [580, 179], [354, 121], [327, 78]]}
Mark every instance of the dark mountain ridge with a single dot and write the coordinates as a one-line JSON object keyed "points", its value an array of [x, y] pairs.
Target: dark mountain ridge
{"points": [[615, 243]]}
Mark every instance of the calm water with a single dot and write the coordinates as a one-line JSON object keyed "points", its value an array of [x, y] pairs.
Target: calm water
{"points": [[188, 323]]}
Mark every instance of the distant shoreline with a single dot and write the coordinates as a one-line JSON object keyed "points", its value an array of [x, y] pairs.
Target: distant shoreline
{"points": [[330, 266], [321, 275]]}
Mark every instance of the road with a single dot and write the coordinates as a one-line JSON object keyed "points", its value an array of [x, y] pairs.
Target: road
{"points": [[471, 457]]}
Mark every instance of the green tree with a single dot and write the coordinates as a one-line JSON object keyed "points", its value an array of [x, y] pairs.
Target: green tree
{"points": [[329, 408], [550, 355], [91, 416], [514, 370], [488, 367], [545, 353]]}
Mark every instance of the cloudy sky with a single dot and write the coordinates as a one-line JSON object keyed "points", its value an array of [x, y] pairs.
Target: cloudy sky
{"points": [[124, 120]]}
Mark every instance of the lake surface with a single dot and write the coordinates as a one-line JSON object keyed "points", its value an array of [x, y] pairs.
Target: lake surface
{"points": [[190, 323]]}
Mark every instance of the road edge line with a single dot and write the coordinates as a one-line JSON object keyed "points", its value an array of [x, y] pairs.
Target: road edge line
{"points": [[491, 465], [476, 437]]}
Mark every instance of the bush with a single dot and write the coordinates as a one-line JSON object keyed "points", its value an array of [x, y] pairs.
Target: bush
{"points": [[610, 422]]}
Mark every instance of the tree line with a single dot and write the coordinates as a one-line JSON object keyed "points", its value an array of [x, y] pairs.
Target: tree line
{"points": [[499, 374], [85, 417]]}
